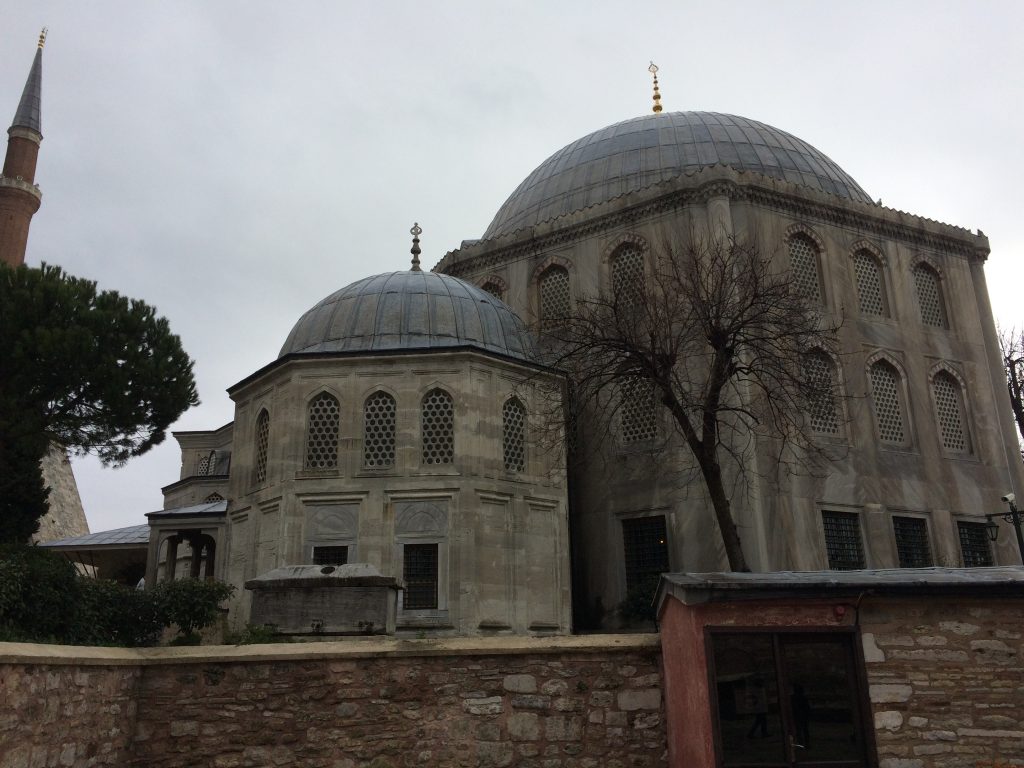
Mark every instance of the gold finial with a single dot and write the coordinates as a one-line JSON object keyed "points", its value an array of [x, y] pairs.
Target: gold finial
{"points": [[416, 231], [653, 69], [42, 37]]}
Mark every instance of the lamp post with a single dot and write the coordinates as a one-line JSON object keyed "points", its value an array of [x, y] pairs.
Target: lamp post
{"points": [[1014, 517]]}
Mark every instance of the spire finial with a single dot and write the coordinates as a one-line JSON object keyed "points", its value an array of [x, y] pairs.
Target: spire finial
{"points": [[416, 231], [653, 69], [42, 37]]}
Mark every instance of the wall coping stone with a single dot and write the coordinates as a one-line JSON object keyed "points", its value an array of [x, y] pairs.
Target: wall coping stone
{"points": [[353, 648]]}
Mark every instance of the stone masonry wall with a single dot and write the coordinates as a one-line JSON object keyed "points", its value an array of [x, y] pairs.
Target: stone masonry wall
{"points": [[562, 702], [946, 682]]}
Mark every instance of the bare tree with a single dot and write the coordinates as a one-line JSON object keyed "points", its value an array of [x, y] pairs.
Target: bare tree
{"points": [[1011, 346], [721, 335]]}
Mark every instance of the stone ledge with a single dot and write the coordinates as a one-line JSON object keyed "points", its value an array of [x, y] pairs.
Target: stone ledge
{"points": [[355, 648]]}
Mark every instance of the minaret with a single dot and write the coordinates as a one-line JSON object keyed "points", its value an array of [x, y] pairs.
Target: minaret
{"points": [[19, 194]]}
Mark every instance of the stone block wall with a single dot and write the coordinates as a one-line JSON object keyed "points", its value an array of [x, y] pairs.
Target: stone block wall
{"points": [[946, 682]]}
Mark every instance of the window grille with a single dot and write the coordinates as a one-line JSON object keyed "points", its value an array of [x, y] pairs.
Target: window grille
{"points": [[627, 272], [869, 284], [842, 540], [211, 463], [333, 555], [912, 542], [885, 386], [204, 466], [494, 288], [821, 380], [322, 433], [513, 435], [929, 296], [379, 412], [262, 441], [438, 427], [419, 572], [213, 497], [974, 546], [554, 293], [803, 258], [949, 406], [638, 414], [645, 541]]}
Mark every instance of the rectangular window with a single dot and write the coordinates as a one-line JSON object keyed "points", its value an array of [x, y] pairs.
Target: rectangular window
{"points": [[419, 571], [974, 546], [912, 542], [330, 555], [646, 550], [842, 540]]}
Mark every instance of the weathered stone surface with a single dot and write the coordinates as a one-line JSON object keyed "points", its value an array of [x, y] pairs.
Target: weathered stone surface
{"points": [[524, 726], [631, 700], [887, 692], [890, 720], [520, 683]]}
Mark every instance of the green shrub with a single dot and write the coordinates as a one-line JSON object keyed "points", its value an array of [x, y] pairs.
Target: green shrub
{"points": [[190, 603], [638, 607], [39, 594], [256, 634]]}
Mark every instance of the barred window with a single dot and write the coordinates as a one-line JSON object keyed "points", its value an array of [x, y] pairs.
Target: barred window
{"points": [[821, 382], [379, 412], [322, 432], [645, 541], [949, 405], [332, 555], [885, 391], [554, 293], [637, 412], [213, 497], [513, 435], [803, 259], [204, 466], [870, 287], [929, 296], [419, 572], [211, 463], [438, 427], [974, 545], [262, 441], [843, 542], [627, 272], [912, 546], [493, 287]]}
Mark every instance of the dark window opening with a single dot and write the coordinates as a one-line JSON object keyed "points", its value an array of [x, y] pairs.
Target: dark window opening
{"points": [[646, 550], [419, 571], [330, 555], [912, 542], [842, 540], [974, 546]]}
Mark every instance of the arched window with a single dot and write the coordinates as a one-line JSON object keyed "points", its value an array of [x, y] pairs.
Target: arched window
{"points": [[929, 296], [262, 441], [627, 271], [870, 286], [437, 422], [949, 406], [803, 259], [513, 435], [204, 465], [494, 288], [379, 431], [554, 293], [324, 418], [821, 380], [889, 409], [213, 497], [639, 422]]}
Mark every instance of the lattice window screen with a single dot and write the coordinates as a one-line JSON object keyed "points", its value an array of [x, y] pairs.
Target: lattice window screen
{"points": [[885, 390], [379, 414], [204, 466], [513, 435], [842, 540], [803, 258], [637, 411], [974, 546], [213, 497], [554, 293], [438, 427], [628, 272], [645, 542], [929, 296], [262, 442], [419, 572], [211, 463], [869, 284], [493, 288], [950, 408], [322, 432], [912, 546], [821, 377]]}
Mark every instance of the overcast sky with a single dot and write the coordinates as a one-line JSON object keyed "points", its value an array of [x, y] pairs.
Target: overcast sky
{"points": [[232, 163]]}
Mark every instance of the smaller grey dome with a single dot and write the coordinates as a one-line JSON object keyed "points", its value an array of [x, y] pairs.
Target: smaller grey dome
{"points": [[410, 311]]}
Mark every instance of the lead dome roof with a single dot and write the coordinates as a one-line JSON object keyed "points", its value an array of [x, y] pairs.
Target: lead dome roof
{"points": [[410, 310], [637, 153]]}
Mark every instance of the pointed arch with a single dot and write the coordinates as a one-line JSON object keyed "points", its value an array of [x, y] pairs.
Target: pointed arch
{"points": [[380, 412], [805, 249], [949, 399], [822, 379], [495, 286], [323, 421], [513, 434], [888, 395], [437, 427], [261, 444], [930, 299], [869, 271]]}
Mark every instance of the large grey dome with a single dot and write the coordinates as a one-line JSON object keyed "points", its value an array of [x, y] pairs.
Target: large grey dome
{"points": [[637, 153], [410, 311]]}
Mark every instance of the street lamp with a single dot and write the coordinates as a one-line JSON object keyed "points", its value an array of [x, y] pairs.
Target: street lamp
{"points": [[1014, 517]]}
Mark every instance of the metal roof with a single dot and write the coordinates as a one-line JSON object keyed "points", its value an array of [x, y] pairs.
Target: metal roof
{"points": [[206, 508], [412, 310], [638, 153], [132, 536], [29, 114]]}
